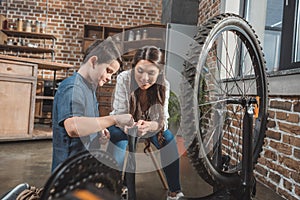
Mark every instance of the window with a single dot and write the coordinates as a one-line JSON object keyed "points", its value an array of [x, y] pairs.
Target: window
{"points": [[266, 18], [281, 35], [272, 37]]}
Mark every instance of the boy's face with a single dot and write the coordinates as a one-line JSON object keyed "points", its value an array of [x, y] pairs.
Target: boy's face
{"points": [[105, 71]]}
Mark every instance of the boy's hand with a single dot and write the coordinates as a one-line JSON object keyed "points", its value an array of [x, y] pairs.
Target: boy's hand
{"points": [[123, 120], [104, 137]]}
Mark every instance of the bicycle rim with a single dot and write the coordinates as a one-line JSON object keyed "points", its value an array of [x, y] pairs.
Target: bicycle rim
{"points": [[225, 69]]}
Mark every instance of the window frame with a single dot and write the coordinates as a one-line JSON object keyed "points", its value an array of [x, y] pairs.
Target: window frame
{"points": [[287, 42]]}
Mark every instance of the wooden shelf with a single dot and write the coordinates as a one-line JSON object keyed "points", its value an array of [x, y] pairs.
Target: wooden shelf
{"points": [[25, 49], [28, 34], [45, 97], [136, 44], [110, 31], [91, 39], [151, 25], [93, 30], [42, 64]]}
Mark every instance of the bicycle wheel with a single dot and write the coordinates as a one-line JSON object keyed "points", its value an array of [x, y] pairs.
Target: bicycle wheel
{"points": [[224, 70], [94, 167]]}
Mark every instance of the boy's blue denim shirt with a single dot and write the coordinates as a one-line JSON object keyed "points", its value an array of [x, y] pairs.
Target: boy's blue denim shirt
{"points": [[74, 97]]}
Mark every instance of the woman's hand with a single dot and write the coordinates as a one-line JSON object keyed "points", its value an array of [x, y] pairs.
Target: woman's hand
{"points": [[104, 137], [146, 126], [143, 127]]}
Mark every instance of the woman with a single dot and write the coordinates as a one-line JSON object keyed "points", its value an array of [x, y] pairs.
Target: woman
{"points": [[143, 92]]}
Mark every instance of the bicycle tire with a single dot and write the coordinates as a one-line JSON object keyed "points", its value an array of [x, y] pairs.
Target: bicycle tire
{"points": [[207, 87], [93, 167]]}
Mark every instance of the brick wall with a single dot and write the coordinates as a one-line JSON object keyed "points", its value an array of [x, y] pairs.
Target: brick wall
{"points": [[208, 9], [66, 18], [279, 165]]}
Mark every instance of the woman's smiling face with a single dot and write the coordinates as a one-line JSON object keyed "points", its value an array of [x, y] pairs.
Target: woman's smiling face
{"points": [[145, 74]]}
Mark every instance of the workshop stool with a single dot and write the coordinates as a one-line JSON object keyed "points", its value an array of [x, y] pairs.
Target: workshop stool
{"points": [[155, 162], [159, 170]]}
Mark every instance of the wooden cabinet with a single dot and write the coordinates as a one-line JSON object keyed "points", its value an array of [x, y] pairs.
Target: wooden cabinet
{"points": [[105, 96], [95, 32], [22, 97], [135, 37], [17, 90]]}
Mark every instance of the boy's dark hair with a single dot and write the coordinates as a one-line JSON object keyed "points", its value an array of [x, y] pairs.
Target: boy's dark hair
{"points": [[105, 50]]}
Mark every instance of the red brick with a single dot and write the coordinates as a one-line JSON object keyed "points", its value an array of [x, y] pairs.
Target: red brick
{"points": [[294, 141], [290, 163], [295, 176], [260, 170], [270, 154], [297, 106], [274, 177], [282, 105], [271, 114], [281, 115], [270, 164], [273, 144], [271, 124], [285, 194], [288, 185], [286, 138], [271, 185], [289, 128], [293, 118], [273, 135], [297, 153], [283, 171], [262, 161], [297, 190]]}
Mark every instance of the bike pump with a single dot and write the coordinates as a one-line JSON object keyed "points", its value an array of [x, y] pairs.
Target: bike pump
{"points": [[131, 164], [247, 163]]}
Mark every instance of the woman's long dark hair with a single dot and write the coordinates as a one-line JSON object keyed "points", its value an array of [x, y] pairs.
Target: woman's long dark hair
{"points": [[155, 94]]}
